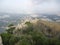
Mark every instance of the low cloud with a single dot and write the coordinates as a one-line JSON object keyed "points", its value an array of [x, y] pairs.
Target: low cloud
{"points": [[47, 6], [30, 6], [4, 16]]}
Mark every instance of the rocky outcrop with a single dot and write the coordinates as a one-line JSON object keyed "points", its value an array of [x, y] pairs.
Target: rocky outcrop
{"points": [[1, 41]]}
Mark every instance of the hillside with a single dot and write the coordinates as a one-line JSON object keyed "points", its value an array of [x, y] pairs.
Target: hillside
{"points": [[32, 32], [42, 26]]}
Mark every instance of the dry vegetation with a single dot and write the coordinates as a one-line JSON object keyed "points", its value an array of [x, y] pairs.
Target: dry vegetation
{"points": [[52, 25], [34, 32], [47, 28]]}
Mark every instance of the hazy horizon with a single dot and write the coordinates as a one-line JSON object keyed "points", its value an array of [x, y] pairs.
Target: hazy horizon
{"points": [[30, 6]]}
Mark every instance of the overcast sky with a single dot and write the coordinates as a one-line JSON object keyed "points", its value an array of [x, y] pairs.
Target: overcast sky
{"points": [[30, 6]]}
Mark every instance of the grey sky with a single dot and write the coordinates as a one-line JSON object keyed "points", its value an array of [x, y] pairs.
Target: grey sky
{"points": [[30, 6]]}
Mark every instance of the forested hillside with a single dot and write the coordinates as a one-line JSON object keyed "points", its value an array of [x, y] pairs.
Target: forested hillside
{"points": [[34, 32]]}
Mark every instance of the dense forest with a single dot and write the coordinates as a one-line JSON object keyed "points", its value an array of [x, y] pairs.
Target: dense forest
{"points": [[32, 33]]}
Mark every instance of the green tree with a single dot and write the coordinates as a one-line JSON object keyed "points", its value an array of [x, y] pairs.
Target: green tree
{"points": [[9, 39], [10, 25], [10, 29], [38, 38], [24, 42], [13, 40], [29, 28], [5, 38]]}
